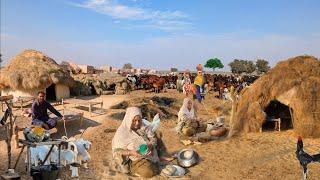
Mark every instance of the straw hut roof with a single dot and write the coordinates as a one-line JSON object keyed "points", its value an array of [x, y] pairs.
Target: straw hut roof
{"points": [[32, 69], [294, 82]]}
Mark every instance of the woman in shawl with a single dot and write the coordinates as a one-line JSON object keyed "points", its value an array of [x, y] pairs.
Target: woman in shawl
{"points": [[126, 142], [188, 122]]}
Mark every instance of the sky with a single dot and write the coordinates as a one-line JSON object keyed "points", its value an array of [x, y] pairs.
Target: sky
{"points": [[160, 34]]}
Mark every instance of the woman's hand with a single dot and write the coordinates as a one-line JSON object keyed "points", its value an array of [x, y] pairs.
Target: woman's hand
{"points": [[134, 154], [150, 145]]}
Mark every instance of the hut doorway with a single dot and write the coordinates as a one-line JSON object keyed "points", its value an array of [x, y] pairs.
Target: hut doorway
{"points": [[276, 110], [51, 93], [92, 89]]}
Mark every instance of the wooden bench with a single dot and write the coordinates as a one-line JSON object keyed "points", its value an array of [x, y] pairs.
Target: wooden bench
{"points": [[89, 104], [277, 124]]}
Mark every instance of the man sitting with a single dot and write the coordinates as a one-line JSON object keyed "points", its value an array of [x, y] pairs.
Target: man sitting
{"points": [[40, 116]]}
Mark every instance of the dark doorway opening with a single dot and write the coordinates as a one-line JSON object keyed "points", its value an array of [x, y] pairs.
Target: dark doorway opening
{"points": [[92, 89], [51, 93], [276, 110]]}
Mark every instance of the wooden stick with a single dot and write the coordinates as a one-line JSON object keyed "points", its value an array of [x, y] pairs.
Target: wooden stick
{"points": [[45, 159], [15, 165], [8, 142], [16, 133], [6, 98]]}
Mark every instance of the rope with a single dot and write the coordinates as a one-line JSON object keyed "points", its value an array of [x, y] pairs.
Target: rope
{"points": [[83, 132]]}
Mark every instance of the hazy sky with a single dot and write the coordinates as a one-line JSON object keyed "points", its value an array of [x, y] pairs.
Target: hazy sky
{"points": [[163, 33]]}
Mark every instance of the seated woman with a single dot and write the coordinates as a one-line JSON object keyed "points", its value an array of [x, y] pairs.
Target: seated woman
{"points": [[125, 145], [188, 123]]}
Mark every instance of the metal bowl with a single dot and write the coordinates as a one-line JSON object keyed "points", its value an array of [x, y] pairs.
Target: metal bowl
{"points": [[188, 157]]}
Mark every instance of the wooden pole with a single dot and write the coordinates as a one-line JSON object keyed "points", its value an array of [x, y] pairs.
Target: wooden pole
{"points": [[6, 98], [8, 142], [15, 165]]}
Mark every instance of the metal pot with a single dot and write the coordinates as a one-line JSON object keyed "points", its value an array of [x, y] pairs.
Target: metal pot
{"points": [[188, 157]]}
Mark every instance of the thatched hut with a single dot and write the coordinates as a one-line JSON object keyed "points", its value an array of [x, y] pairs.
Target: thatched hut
{"points": [[32, 71], [290, 91]]}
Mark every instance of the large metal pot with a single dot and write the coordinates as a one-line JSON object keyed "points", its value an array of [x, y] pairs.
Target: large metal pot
{"points": [[188, 157]]}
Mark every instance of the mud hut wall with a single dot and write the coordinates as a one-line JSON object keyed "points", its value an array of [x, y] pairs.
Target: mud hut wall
{"points": [[62, 91]]}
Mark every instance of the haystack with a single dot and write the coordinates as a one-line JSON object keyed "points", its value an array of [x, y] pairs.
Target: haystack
{"points": [[295, 83], [32, 71], [89, 84], [150, 106]]}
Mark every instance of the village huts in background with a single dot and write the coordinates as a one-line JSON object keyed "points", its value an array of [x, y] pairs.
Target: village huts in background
{"points": [[97, 84], [86, 69], [32, 71], [291, 91]]}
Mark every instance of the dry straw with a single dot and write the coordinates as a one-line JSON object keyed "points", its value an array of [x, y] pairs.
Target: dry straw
{"points": [[31, 70], [294, 82]]}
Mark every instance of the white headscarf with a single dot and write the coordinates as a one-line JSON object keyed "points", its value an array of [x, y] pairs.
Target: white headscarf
{"points": [[184, 111], [125, 138]]}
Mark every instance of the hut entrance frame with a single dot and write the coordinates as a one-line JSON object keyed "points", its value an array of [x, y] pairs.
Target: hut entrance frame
{"points": [[275, 110], [51, 93]]}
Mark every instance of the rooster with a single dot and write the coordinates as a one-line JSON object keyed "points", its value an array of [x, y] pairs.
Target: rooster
{"points": [[304, 158]]}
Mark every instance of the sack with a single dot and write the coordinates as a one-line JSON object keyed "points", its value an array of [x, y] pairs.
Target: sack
{"points": [[143, 168]]}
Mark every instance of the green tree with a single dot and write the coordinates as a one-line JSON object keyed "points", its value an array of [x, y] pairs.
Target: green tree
{"points": [[250, 67], [173, 69], [262, 66], [239, 66], [214, 63], [127, 66]]}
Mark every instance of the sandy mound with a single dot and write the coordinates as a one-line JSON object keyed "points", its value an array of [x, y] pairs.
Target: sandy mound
{"points": [[150, 106]]}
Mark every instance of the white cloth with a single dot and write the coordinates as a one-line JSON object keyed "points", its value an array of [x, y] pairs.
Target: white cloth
{"points": [[125, 138], [184, 113]]}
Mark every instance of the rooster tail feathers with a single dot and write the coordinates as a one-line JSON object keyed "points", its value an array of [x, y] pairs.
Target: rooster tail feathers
{"points": [[316, 158]]}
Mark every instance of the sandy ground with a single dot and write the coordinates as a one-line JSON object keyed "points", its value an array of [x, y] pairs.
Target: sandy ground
{"points": [[267, 155]]}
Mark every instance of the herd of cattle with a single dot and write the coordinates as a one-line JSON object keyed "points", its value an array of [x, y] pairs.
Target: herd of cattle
{"points": [[214, 82]]}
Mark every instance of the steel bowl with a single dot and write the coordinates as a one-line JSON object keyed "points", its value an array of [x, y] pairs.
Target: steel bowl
{"points": [[188, 157]]}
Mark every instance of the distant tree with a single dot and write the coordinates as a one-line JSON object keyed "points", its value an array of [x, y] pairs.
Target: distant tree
{"points": [[173, 69], [214, 63], [250, 67], [262, 66], [239, 66], [127, 66]]}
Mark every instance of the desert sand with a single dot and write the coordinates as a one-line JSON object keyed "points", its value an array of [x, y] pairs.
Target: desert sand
{"points": [[266, 155]]}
